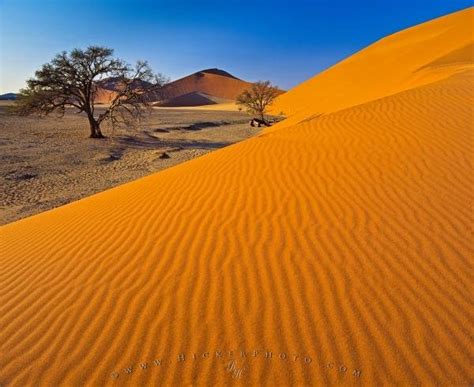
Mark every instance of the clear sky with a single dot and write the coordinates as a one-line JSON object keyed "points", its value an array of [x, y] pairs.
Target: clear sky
{"points": [[286, 41]]}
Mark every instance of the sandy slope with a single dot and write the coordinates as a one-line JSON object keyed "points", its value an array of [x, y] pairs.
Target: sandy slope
{"points": [[413, 57], [195, 99], [104, 96], [203, 88], [226, 107], [213, 82], [54, 162], [345, 240]]}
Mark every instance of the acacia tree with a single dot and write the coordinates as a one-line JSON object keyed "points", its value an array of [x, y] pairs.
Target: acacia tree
{"points": [[258, 98], [73, 79]]}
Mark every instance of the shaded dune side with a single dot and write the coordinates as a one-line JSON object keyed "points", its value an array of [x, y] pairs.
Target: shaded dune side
{"points": [[346, 238], [194, 99], [460, 56], [402, 61]]}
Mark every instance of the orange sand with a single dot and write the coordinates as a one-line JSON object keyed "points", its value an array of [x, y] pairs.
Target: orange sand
{"points": [[413, 57], [228, 106], [212, 82], [345, 239], [104, 96]]}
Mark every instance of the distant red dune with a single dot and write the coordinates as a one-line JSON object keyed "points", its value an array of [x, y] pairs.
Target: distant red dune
{"points": [[104, 95], [206, 87], [212, 82]]}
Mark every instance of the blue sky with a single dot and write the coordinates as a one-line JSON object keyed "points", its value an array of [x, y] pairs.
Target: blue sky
{"points": [[284, 41]]}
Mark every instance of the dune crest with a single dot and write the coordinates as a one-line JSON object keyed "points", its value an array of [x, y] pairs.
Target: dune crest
{"points": [[340, 245], [407, 59]]}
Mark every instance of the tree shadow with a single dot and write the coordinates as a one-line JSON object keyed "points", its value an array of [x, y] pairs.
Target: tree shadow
{"points": [[151, 142], [195, 126], [115, 154]]}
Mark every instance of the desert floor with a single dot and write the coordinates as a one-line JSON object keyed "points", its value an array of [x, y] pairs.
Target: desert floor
{"points": [[48, 162]]}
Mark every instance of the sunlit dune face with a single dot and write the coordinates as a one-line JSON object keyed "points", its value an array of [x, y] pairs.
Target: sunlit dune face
{"points": [[335, 248], [414, 57]]}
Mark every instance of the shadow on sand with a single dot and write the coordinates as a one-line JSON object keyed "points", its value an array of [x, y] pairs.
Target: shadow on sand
{"points": [[195, 126], [150, 142]]}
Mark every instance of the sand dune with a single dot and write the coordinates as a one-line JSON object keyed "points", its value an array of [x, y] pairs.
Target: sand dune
{"points": [[413, 57], [341, 244], [229, 107], [194, 99], [107, 89], [104, 96], [203, 88], [212, 82]]}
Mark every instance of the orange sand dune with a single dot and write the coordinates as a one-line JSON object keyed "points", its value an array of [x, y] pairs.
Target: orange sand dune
{"points": [[194, 99], [213, 82], [413, 57], [341, 245], [228, 106], [104, 96]]}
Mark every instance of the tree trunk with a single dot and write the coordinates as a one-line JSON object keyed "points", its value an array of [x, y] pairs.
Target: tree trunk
{"points": [[94, 127]]}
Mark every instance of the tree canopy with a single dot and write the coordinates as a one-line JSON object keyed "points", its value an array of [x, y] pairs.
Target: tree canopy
{"points": [[258, 98], [73, 80]]}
